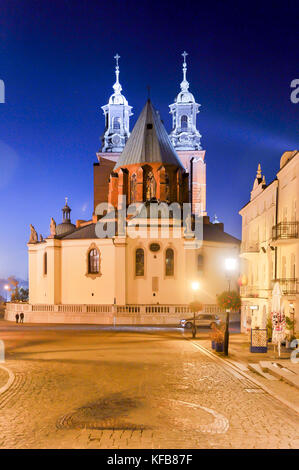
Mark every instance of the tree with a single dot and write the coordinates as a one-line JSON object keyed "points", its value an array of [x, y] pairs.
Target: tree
{"points": [[229, 300], [20, 294]]}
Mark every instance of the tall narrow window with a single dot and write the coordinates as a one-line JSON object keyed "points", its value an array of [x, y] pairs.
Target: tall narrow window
{"points": [[167, 188], [116, 123], [93, 262], [139, 262], [45, 264], [169, 262], [184, 122]]}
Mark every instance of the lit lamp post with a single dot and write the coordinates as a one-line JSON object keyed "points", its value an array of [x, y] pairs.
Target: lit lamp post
{"points": [[230, 267], [195, 287], [292, 312], [6, 287]]}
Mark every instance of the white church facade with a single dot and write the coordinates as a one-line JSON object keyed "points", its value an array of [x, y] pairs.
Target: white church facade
{"points": [[126, 265]]}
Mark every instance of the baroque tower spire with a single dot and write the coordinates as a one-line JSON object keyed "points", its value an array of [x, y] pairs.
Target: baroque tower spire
{"points": [[117, 117], [184, 134]]}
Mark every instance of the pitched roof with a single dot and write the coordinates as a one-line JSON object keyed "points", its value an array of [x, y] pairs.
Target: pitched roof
{"points": [[86, 232], [148, 142], [212, 233]]}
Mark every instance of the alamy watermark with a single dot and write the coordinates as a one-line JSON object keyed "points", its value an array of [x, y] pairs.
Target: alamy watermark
{"points": [[294, 97], [150, 220], [2, 92]]}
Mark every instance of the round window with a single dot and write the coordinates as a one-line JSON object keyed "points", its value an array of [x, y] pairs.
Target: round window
{"points": [[154, 247]]}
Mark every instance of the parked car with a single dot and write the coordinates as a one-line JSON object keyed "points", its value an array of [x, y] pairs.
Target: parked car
{"points": [[201, 319]]}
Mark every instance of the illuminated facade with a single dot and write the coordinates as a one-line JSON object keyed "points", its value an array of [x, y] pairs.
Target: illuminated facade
{"points": [[270, 243], [78, 275]]}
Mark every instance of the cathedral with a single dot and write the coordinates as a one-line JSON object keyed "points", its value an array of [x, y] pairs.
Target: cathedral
{"points": [[149, 248]]}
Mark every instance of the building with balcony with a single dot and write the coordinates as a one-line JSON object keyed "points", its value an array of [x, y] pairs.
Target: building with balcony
{"points": [[270, 243]]}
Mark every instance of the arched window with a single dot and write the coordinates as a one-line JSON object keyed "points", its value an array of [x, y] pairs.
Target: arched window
{"points": [[167, 188], [93, 261], [116, 123], [45, 264], [169, 262], [133, 188], [184, 122], [139, 262]]}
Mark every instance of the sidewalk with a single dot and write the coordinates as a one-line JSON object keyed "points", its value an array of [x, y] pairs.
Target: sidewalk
{"points": [[239, 350], [241, 357]]}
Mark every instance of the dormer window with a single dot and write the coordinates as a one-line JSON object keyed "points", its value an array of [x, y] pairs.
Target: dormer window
{"points": [[149, 126]]}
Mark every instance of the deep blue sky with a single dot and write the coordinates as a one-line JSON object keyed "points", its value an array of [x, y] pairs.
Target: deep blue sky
{"points": [[56, 58]]}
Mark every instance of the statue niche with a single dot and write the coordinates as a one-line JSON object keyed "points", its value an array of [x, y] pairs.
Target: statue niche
{"points": [[150, 186]]}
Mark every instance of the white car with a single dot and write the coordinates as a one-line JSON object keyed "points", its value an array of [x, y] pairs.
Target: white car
{"points": [[201, 319]]}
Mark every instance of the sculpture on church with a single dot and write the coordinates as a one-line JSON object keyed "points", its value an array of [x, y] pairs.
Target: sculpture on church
{"points": [[41, 238], [52, 228], [150, 186], [188, 222], [33, 235]]}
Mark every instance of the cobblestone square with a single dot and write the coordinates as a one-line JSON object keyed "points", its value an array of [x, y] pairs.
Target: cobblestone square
{"points": [[91, 387]]}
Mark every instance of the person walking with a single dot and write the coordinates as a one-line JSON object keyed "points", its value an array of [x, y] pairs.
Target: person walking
{"points": [[17, 318], [21, 317]]}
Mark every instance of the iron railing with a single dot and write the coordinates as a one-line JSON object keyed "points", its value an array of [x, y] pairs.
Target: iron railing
{"points": [[288, 285], [285, 230]]}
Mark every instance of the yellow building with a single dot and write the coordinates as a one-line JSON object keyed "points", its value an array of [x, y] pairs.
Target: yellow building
{"points": [[270, 243]]}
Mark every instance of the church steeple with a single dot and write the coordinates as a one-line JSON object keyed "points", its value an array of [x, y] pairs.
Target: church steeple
{"points": [[117, 118], [184, 134]]}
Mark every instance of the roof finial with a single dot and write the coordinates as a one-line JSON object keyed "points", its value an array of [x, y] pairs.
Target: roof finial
{"points": [[117, 86], [184, 84], [259, 171], [66, 199]]}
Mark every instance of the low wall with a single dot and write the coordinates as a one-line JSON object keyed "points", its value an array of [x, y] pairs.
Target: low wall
{"points": [[103, 314]]}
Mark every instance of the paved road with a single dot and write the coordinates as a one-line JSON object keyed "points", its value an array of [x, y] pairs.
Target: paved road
{"points": [[130, 388]]}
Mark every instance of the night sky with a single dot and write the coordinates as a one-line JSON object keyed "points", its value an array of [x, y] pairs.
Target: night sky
{"points": [[56, 59]]}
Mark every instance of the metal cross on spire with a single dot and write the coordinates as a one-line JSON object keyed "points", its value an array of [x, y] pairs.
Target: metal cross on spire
{"points": [[185, 55], [184, 84], [66, 199], [116, 57]]}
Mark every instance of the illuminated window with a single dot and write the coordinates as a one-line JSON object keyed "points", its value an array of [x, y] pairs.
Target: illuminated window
{"points": [[45, 264], [184, 122], [93, 262], [139, 262], [169, 262]]}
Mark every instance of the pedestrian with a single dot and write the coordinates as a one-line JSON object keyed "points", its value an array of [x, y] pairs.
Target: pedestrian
{"points": [[21, 317], [17, 318]]}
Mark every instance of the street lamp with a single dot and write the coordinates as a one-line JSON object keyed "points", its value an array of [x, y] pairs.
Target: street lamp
{"points": [[195, 286], [6, 287], [230, 267], [292, 312]]}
